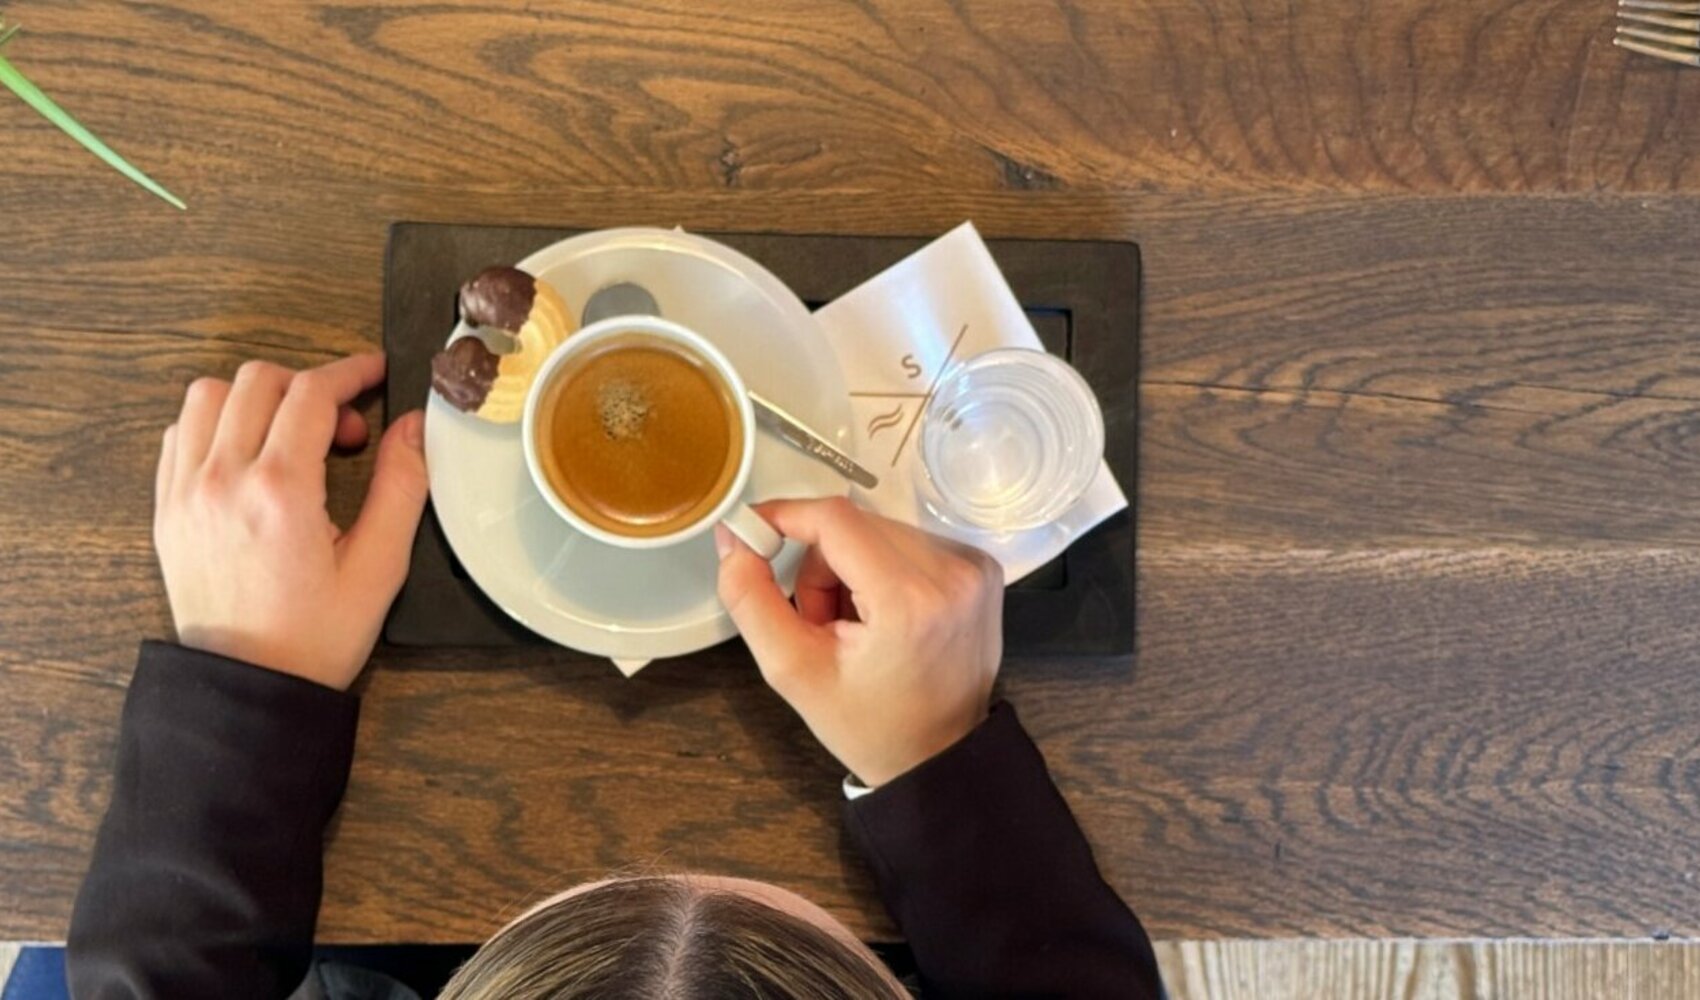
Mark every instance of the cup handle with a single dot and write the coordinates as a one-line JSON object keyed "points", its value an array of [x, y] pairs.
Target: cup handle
{"points": [[754, 531]]}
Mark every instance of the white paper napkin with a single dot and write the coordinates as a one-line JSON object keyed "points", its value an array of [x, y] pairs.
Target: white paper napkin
{"points": [[894, 334]]}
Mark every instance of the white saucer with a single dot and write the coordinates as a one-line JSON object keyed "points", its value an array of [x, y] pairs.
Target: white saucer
{"points": [[634, 606]]}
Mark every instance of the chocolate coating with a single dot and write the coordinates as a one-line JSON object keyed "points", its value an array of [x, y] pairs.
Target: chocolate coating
{"points": [[463, 373], [500, 297]]}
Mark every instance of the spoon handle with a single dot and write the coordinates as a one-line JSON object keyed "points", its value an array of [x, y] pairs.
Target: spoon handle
{"points": [[799, 436]]}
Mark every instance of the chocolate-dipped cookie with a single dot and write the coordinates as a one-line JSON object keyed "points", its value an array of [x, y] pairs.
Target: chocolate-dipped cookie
{"points": [[492, 386]]}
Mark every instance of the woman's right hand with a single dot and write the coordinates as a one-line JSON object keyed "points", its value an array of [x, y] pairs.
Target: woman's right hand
{"points": [[891, 649]]}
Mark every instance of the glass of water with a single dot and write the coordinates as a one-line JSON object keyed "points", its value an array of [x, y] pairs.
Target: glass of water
{"points": [[1010, 440]]}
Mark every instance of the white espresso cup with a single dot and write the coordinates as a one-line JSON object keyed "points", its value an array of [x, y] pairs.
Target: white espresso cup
{"points": [[732, 509]]}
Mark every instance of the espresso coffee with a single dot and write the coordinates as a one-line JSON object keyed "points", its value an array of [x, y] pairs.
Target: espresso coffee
{"points": [[639, 436]]}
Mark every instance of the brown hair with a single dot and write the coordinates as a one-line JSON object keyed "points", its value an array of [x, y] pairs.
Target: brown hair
{"points": [[658, 937]]}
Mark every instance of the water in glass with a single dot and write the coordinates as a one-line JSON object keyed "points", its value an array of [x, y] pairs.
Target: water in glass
{"points": [[1010, 440]]}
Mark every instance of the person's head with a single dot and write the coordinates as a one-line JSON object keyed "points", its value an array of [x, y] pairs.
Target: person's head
{"points": [[678, 937]]}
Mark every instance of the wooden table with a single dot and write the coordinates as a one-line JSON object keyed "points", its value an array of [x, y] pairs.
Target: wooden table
{"points": [[1420, 487]]}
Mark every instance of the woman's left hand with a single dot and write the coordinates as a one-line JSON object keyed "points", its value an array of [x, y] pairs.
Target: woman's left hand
{"points": [[254, 567]]}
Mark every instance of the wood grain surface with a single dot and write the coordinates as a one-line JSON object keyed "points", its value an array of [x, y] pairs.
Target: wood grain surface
{"points": [[1428, 970], [1420, 403]]}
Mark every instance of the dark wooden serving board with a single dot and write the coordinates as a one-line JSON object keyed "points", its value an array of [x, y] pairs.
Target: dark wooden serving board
{"points": [[1083, 297]]}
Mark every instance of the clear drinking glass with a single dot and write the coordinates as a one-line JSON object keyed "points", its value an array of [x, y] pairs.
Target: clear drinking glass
{"points": [[1010, 441]]}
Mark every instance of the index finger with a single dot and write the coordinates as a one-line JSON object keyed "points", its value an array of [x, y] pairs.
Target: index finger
{"points": [[849, 539], [306, 422]]}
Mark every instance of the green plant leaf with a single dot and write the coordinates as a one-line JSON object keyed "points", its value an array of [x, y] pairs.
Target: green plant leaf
{"points": [[20, 84]]}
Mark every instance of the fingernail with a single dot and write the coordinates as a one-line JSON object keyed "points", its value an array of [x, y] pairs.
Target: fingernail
{"points": [[415, 430], [722, 540]]}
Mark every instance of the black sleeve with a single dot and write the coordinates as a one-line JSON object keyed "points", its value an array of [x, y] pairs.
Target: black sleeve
{"points": [[986, 871], [207, 869]]}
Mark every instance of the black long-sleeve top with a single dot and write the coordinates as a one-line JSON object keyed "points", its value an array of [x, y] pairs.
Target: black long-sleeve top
{"points": [[207, 870]]}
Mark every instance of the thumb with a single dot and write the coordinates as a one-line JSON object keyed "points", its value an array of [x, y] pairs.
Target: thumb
{"points": [[377, 549], [788, 649]]}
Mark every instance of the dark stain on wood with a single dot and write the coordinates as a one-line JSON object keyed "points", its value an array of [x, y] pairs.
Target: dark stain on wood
{"points": [[1022, 176]]}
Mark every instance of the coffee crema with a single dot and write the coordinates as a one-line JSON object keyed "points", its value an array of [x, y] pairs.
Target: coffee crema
{"points": [[640, 436]]}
